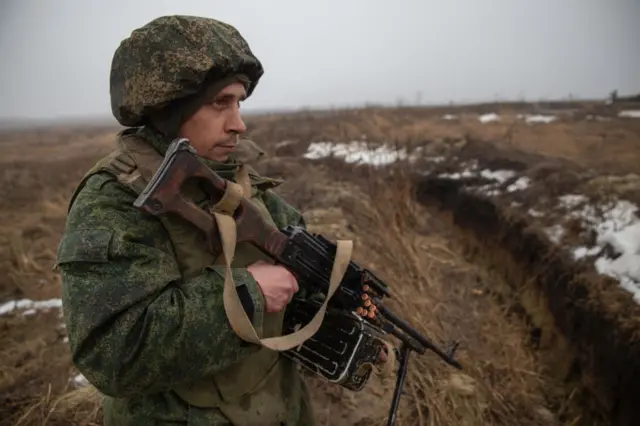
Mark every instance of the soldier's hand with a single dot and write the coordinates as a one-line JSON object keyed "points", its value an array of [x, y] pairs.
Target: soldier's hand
{"points": [[383, 356], [278, 285]]}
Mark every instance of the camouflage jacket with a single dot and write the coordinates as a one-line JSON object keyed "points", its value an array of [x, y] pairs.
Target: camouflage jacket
{"points": [[136, 327]]}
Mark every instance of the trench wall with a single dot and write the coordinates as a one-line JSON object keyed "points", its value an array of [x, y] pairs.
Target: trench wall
{"points": [[589, 325]]}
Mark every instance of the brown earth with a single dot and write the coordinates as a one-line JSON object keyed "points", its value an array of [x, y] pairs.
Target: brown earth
{"points": [[519, 357]]}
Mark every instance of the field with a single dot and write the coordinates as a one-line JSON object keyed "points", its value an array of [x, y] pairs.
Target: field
{"points": [[511, 228]]}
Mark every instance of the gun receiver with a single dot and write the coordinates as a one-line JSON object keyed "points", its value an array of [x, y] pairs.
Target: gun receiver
{"points": [[308, 256]]}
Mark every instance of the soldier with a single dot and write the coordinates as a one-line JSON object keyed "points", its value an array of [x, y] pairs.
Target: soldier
{"points": [[142, 295]]}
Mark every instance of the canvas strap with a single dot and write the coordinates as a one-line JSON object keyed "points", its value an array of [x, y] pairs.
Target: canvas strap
{"points": [[236, 314], [240, 323]]}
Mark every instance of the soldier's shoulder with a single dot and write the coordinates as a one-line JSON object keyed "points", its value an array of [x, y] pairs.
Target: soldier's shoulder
{"points": [[92, 218], [101, 187], [282, 212], [100, 201]]}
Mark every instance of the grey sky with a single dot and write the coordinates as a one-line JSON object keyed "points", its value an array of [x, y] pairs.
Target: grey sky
{"points": [[56, 55]]}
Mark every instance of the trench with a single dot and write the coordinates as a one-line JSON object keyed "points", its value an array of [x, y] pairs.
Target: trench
{"points": [[583, 338]]}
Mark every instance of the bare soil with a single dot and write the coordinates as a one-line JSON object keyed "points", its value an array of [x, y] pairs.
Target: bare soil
{"points": [[563, 354]]}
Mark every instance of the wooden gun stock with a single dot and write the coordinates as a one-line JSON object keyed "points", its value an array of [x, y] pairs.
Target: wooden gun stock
{"points": [[164, 195]]}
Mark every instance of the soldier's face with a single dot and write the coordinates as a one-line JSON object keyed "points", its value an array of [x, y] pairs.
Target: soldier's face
{"points": [[214, 129]]}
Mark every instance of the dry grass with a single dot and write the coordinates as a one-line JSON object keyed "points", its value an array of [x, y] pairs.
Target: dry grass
{"points": [[572, 137], [444, 297], [435, 286]]}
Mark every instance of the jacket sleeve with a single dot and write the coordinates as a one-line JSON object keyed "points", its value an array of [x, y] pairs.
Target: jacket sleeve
{"points": [[134, 325]]}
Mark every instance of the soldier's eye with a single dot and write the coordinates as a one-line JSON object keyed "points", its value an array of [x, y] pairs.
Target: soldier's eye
{"points": [[226, 102]]}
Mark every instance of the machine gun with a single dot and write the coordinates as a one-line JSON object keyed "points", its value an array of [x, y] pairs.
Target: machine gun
{"points": [[356, 320]]}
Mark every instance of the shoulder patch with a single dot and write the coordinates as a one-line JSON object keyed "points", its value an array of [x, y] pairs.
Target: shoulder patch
{"points": [[85, 245]]}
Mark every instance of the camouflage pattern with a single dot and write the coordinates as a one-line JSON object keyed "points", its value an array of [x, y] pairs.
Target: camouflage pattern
{"points": [[145, 317], [137, 327], [172, 57], [248, 152]]}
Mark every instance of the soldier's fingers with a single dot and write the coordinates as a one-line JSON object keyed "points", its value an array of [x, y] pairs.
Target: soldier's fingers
{"points": [[276, 306]]}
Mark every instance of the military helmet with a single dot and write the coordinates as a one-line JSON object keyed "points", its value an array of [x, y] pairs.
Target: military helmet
{"points": [[174, 57]]}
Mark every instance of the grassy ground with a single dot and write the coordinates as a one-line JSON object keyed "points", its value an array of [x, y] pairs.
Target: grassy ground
{"points": [[440, 284]]}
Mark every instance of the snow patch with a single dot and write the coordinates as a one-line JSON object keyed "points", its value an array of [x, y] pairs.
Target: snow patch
{"points": [[570, 201], [535, 213], [555, 233], [489, 190], [498, 175], [488, 118], [29, 306], [457, 175], [630, 113], [617, 226], [546, 119], [581, 252], [358, 152], [519, 185]]}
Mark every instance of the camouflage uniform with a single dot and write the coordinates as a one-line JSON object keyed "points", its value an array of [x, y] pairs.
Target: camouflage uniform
{"points": [[142, 295]]}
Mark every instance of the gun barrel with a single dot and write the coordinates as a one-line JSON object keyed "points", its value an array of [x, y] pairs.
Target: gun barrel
{"points": [[415, 334], [376, 283]]}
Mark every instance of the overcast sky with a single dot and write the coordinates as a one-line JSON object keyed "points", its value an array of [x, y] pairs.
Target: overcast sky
{"points": [[55, 55]]}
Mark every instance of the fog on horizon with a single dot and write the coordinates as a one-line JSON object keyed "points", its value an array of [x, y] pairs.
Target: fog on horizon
{"points": [[56, 55]]}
